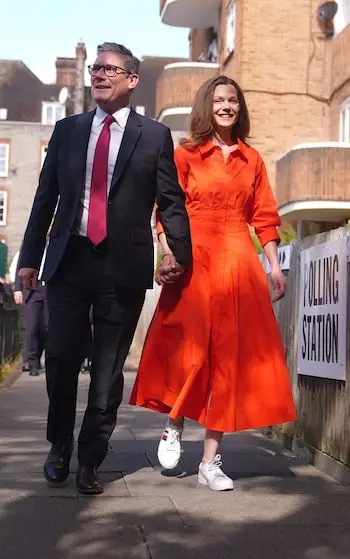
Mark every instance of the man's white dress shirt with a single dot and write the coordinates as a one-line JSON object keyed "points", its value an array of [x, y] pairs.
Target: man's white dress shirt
{"points": [[117, 132]]}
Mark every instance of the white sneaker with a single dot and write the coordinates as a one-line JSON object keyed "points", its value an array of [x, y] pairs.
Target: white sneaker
{"points": [[169, 449], [211, 475]]}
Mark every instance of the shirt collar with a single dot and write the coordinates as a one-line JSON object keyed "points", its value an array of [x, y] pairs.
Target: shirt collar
{"points": [[121, 116], [209, 146]]}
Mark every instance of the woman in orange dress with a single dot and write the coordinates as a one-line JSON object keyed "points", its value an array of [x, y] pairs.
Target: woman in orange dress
{"points": [[213, 352]]}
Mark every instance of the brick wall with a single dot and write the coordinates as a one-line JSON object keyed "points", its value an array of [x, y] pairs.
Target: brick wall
{"points": [[178, 84], [66, 71], [26, 142], [198, 42], [321, 173], [282, 62]]}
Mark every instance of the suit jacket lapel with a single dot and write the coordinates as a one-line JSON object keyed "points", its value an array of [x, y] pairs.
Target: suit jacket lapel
{"points": [[80, 146], [130, 139]]}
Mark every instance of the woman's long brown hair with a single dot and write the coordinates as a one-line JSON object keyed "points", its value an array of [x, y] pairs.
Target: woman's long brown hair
{"points": [[201, 120]]}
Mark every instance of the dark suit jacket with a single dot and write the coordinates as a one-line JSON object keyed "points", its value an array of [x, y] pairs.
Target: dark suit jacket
{"points": [[144, 173]]}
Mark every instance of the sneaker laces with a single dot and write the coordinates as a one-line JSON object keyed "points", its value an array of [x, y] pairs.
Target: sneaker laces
{"points": [[214, 467], [173, 435]]}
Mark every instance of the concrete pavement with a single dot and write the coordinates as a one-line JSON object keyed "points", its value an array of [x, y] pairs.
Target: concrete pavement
{"points": [[281, 508]]}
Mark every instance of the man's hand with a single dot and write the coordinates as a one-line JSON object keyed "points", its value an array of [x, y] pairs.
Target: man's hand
{"points": [[18, 297], [279, 283], [169, 270], [29, 277]]}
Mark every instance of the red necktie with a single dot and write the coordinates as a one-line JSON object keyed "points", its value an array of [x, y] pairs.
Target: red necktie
{"points": [[97, 219]]}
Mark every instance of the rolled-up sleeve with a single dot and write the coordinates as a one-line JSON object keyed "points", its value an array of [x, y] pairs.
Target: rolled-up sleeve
{"points": [[264, 215], [171, 211]]}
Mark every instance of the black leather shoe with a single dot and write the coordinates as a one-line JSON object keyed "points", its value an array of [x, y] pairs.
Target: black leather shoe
{"points": [[56, 467], [34, 373], [87, 481]]}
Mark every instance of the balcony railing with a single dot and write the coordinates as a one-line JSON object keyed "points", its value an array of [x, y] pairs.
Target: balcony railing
{"points": [[313, 182]]}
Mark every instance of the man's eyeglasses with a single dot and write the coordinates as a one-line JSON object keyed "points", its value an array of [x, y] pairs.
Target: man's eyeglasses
{"points": [[109, 70]]}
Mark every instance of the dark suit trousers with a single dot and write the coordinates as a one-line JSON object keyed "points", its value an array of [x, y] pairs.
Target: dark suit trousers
{"points": [[35, 325], [84, 279]]}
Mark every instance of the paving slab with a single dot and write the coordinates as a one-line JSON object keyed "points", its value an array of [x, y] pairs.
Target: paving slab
{"points": [[43, 528], [251, 541], [33, 484]]}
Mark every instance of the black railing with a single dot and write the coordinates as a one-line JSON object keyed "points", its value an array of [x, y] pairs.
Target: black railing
{"points": [[9, 326]]}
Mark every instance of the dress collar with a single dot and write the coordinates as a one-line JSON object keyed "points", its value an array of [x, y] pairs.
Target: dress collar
{"points": [[209, 146]]}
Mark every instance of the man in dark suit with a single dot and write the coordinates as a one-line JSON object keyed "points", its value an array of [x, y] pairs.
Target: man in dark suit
{"points": [[106, 169]]}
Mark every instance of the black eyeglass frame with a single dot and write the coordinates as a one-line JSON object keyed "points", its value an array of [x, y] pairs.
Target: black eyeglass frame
{"points": [[95, 68]]}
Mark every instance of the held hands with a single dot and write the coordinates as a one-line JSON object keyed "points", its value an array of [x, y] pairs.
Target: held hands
{"points": [[29, 277], [169, 271], [279, 283]]}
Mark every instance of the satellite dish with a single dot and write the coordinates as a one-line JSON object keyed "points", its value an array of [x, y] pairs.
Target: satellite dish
{"points": [[327, 11], [63, 95]]}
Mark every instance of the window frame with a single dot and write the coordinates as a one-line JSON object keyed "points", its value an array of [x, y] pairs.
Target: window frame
{"points": [[5, 143], [230, 38], [344, 122], [54, 105], [4, 195]]}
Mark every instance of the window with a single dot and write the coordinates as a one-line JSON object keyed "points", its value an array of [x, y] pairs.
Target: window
{"points": [[4, 159], [43, 154], [52, 112], [3, 207], [344, 129], [342, 17], [230, 27]]}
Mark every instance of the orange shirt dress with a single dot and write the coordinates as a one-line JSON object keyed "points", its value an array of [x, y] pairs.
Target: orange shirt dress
{"points": [[213, 352]]}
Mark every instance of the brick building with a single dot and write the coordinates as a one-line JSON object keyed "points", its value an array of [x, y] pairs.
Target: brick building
{"points": [[29, 110], [292, 60]]}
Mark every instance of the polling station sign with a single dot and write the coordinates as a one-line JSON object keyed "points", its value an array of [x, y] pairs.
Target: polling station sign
{"points": [[322, 310]]}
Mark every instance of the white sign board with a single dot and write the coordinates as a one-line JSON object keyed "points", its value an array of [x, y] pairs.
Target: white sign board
{"points": [[322, 311], [283, 258]]}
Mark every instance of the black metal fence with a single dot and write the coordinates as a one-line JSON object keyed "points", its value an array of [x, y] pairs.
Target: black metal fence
{"points": [[9, 326]]}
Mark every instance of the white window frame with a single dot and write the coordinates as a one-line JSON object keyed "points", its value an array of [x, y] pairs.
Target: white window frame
{"points": [[55, 107], [230, 27], [43, 154], [3, 203], [344, 122], [342, 17], [5, 172]]}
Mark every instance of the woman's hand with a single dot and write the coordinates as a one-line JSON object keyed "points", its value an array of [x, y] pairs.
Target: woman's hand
{"points": [[279, 283], [169, 270]]}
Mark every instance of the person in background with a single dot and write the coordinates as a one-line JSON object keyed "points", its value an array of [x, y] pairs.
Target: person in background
{"points": [[214, 352], [34, 315], [18, 297]]}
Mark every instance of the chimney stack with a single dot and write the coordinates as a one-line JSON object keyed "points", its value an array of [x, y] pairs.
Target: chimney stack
{"points": [[79, 95], [66, 71]]}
